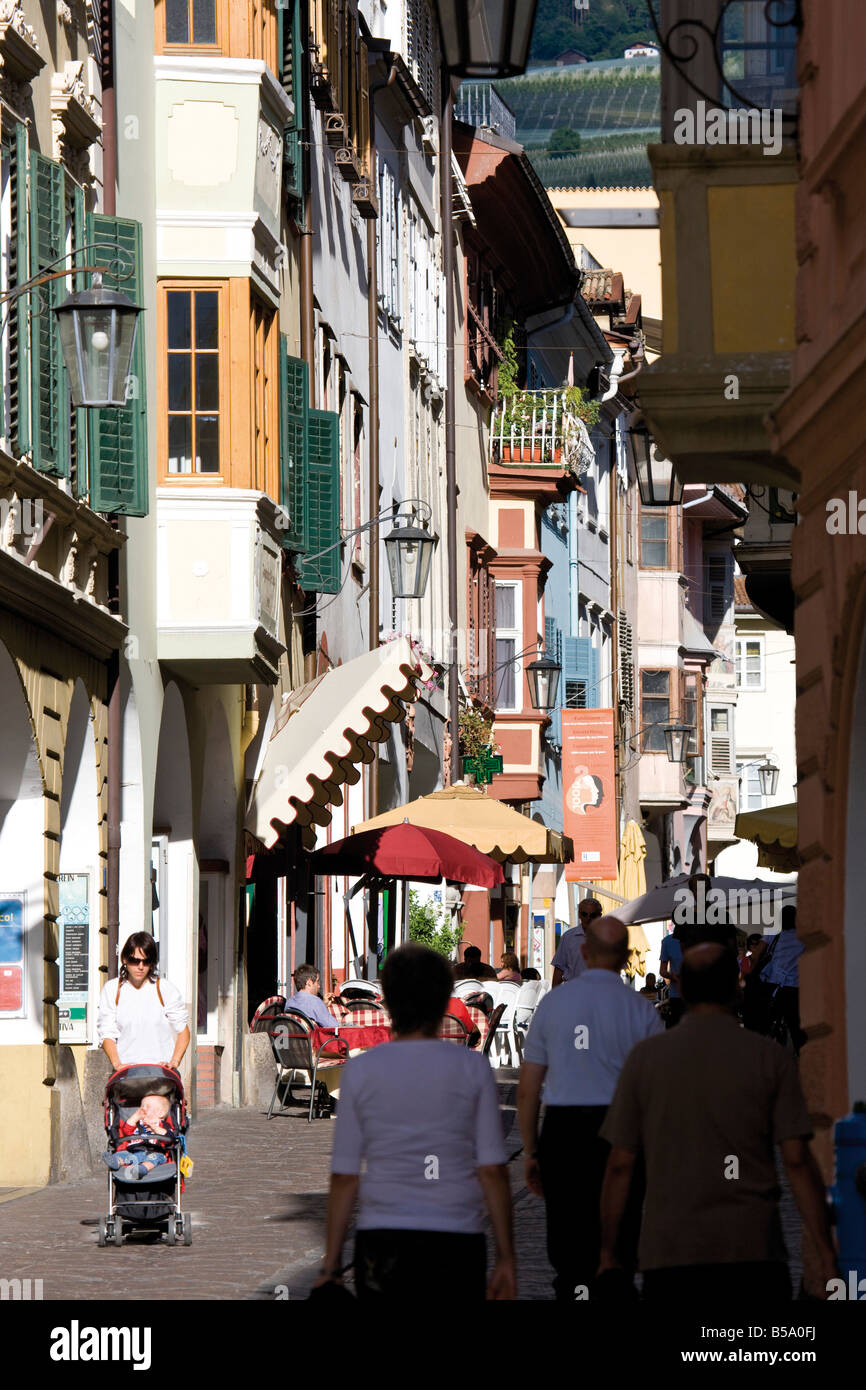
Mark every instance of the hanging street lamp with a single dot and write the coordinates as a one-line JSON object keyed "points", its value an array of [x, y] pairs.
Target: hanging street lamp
{"points": [[543, 676], [97, 337], [768, 776], [677, 741], [657, 480], [485, 38], [409, 550]]}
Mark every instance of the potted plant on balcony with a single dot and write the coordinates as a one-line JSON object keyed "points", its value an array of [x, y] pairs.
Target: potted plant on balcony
{"points": [[534, 426]]}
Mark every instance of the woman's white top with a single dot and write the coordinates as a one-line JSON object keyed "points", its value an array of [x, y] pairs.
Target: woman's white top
{"points": [[143, 1029], [417, 1120]]}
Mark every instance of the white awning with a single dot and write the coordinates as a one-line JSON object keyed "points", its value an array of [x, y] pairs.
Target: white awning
{"points": [[327, 728]]}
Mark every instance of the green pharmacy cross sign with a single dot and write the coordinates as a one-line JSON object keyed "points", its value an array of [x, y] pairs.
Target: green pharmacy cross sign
{"points": [[484, 766]]}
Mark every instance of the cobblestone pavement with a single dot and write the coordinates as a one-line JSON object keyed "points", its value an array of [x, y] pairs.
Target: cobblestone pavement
{"points": [[257, 1200]]}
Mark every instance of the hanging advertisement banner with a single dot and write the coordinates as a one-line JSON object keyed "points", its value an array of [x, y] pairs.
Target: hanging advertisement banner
{"points": [[74, 925], [589, 793]]}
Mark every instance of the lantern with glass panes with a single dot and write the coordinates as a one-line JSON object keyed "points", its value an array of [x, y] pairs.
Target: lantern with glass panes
{"points": [[485, 38], [657, 480], [97, 328]]}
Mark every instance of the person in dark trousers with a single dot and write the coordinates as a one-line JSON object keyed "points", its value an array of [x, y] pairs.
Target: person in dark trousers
{"points": [[705, 1105], [579, 1038], [781, 972], [419, 1141]]}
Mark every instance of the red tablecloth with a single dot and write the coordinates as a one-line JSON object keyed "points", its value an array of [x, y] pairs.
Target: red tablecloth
{"points": [[358, 1038]]}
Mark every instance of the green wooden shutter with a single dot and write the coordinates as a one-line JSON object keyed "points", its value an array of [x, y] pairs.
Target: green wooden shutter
{"points": [[290, 41], [323, 498], [50, 405], [294, 445], [19, 356], [118, 438]]}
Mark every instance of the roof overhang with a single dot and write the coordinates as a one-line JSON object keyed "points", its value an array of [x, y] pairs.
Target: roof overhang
{"points": [[516, 220]]}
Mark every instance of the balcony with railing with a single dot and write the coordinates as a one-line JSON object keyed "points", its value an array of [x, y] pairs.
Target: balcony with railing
{"points": [[543, 428]]}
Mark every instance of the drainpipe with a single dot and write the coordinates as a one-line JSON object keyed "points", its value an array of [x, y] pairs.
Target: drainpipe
{"points": [[573, 575], [115, 713], [373, 461], [446, 196]]}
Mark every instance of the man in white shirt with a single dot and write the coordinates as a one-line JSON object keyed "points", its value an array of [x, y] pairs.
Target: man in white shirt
{"points": [[568, 961], [578, 1040]]}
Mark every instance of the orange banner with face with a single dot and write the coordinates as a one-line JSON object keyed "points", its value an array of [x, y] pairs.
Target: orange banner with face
{"points": [[589, 793]]}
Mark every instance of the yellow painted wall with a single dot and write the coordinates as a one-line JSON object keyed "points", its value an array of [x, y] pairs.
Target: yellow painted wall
{"points": [[753, 267], [25, 1151], [633, 250], [668, 231]]}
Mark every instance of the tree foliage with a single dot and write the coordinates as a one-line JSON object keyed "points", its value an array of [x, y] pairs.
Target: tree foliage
{"points": [[607, 29], [429, 926], [563, 141]]}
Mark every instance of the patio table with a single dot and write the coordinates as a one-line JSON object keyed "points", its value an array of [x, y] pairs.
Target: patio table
{"points": [[359, 1037]]}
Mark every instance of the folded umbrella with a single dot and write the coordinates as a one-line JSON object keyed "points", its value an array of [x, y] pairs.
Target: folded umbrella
{"points": [[411, 852]]}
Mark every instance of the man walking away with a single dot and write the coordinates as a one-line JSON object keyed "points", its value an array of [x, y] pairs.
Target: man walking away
{"points": [[706, 1103], [568, 962], [578, 1040]]}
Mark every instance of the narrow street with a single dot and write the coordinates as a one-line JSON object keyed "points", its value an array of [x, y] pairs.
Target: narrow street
{"points": [[257, 1199]]}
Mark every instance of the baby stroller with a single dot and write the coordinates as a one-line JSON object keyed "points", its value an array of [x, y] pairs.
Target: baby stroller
{"points": [[153, 1201]]}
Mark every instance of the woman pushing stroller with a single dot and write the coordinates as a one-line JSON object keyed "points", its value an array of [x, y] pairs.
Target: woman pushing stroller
{"points": [[142, 1018]]}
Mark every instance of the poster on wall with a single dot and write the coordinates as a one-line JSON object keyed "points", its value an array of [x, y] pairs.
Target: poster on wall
{"points": [[12, 958], [589, 793], [74, 926], [537, 952]]}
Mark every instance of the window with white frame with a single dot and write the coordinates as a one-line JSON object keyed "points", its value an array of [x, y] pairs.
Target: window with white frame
{"points": [[750, 798], [602, 469], [426, 307], [508, 645], [388, 244], [750, 663]]}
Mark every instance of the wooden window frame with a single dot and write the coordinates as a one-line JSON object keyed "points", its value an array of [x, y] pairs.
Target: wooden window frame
{"points": [[670, 539], [513, 634], [671, 696], [243, 30], [161, 44], [222, 478], [265, 382]]}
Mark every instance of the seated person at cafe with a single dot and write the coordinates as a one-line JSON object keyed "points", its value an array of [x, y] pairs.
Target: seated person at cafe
{"points": [[509, 968], [473, 967], [458, 1009], [306, 997]]}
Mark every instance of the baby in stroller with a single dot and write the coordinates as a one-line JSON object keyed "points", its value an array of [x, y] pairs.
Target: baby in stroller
{"points": [[152, 1117]]}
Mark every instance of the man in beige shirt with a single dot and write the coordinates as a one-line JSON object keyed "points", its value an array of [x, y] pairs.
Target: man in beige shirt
{"points": [[707, 1103]]}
